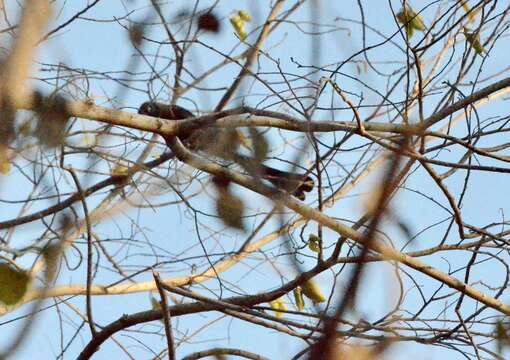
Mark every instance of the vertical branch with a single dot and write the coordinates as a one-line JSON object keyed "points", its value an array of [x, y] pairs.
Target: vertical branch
{"points": [[90, 318], [166, 316], [420, 97]]}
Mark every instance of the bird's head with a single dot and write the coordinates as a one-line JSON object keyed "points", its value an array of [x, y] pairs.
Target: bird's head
{"points": [[149, 108], [164, 111]]}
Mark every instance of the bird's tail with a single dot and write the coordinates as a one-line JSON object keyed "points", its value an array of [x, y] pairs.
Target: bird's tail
{"points": [[295, 183]]}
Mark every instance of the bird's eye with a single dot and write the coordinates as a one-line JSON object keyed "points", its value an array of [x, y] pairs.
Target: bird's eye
{"points": [[147, 109]]}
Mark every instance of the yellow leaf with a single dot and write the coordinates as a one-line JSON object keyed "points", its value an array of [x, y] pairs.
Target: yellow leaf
{"points": [[88, 140], [244, 15], [239, 27], [278, 306], [5, 167], [298, 297], [472, 15], [312, 291], [244, 140], [14, 284], [466, 6], [119, 170], [314, 243]]}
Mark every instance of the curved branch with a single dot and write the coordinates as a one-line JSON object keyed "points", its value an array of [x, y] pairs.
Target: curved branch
{"points": [[223, 351]]}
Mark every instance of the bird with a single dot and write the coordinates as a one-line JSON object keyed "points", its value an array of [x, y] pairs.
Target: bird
{"points": [[215, 140]]}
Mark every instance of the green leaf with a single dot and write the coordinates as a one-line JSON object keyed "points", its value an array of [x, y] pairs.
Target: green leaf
{"points": [[409, 31], [411, 20], [474, 40], [312, 291], [13, 284]]}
